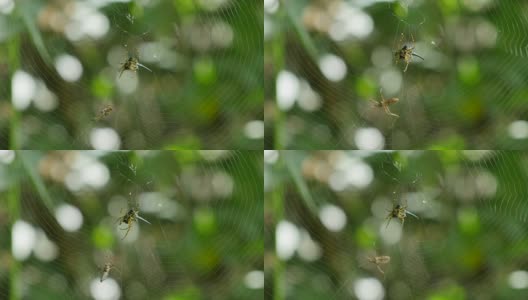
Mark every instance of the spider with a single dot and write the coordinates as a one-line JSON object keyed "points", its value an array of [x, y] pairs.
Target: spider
{"points": [[106, 270], [398, 211], [406, 52], [384, 103], [379, 260], [129, 218], [104, 112], [132, 64], [108, 266]]}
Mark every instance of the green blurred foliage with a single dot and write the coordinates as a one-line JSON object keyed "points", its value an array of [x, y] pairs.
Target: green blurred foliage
{"points": [[206, 83], [205, 236], [469, 239], [464, 95]]}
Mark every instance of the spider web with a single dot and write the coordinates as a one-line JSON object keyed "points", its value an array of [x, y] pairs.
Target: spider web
{"points": [[195, 97], [203, 207], [458, 97], [470, 233]]}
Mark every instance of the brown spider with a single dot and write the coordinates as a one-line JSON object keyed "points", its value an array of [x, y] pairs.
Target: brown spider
{"points": [[106, 270], [384, 103], [104, 112], [129, 218], [379, 260], [132, 64], [406, 52], [400, 212]]}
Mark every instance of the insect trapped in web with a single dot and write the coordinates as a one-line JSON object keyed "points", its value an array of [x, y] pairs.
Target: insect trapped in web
{"points": [[405, 52], [104, 112], [379, 260], [129, 218], [398, 211], [107, 268], [132, 64], [384, 103]]}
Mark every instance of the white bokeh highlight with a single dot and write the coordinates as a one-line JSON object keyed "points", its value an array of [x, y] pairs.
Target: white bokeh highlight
{"points": [[518, 279], [69, 217], [7, 6], [106, 290], [333, 217], [254, 129], [254, 280], [23, 240], [369, 289], [391, 81], [44, 99], [271, 6], [369, 139], [86, 22], [333, 67], [350, 23], [518, 129], [287, 238], [309, 100], [308, 249], [7, 156], [391, 233], [45, 249], [23, 88], [105, 139], [87, 172], [271, 156], [350, 172], [69, 67], [287, 89]]}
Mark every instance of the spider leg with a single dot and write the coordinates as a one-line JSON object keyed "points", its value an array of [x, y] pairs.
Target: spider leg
{"points": [[387, 110], [128, 230], [375, 104], [389, 218], [406, 66], [120, 218], [121, 73], [381, 271]]}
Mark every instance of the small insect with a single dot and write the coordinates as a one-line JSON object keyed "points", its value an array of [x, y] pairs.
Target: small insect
{"points": [[379, 260], [129, 218], [106, 270], [384, 103], [406, 52], [132, 64], [104, 112], [400, 212]]}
